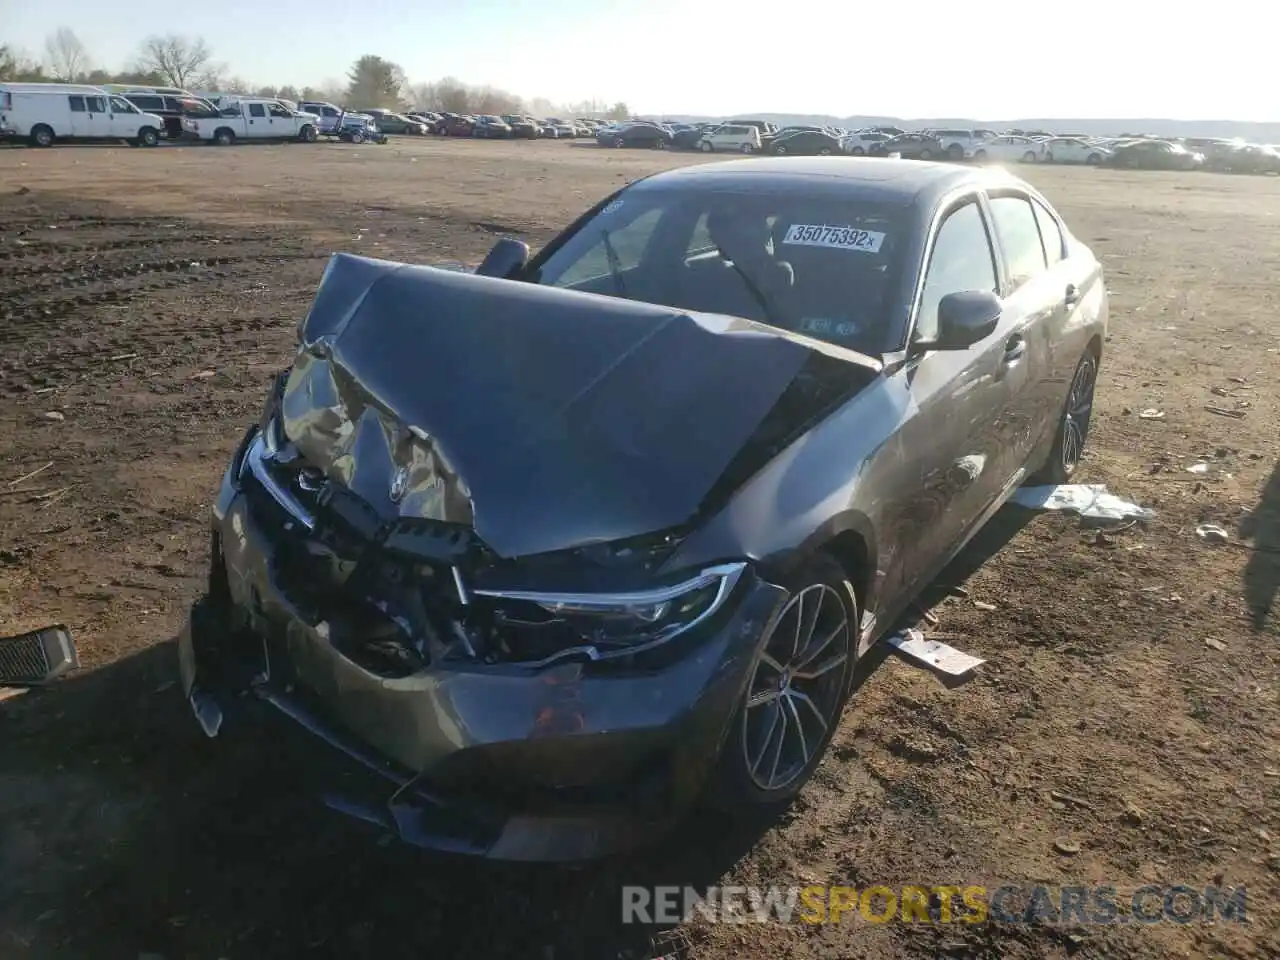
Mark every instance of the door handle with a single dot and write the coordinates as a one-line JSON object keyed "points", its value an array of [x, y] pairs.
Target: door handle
{"points": [[1014, 349], [1072, 296]]}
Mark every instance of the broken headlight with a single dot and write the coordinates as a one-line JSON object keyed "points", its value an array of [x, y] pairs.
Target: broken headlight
{"points": [[269, 423], [622, 623]]}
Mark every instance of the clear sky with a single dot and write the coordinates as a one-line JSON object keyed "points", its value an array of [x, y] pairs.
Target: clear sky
{"points": [[983, 59]]}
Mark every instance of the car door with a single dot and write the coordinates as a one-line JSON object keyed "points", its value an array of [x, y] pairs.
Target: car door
{"points": [[256, 125], [952, 440], [89, 119], [281, 121], [124, 118], [1033, 295]]}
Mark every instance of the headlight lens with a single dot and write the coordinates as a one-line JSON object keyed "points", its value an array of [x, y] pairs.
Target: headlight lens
{"points": [[624, 623]]}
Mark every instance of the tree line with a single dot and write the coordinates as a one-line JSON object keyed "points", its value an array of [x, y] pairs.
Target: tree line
{"points": [[188, 62]]}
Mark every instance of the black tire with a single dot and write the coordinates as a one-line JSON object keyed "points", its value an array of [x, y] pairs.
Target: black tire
{"points": [[925, 154], [780, 150], [706, 147], [148, 137], [980, 156], [1029, 157], [618, 142], [357, 136], [858, 152], [308, 134], [741, 787], [955, 152], [1073, 425], [1094, 159], [42, 135], [748, 148], [224, 136]]}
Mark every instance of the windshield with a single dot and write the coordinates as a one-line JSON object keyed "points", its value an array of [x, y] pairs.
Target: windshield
{"points": [[816, 266]]}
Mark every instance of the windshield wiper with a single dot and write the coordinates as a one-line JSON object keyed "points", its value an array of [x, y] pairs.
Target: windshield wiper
{"points": [[756, 293], [615, 264]]}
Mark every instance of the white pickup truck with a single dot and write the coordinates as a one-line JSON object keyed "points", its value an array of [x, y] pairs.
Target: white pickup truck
{"points": [[254, 119]]}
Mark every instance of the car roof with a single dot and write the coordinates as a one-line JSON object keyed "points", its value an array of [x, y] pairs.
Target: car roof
{"points": [[883, 180]]}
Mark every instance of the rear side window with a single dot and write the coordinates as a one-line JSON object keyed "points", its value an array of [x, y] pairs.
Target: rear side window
{"points": [[257, 110], [961, 261], [1050, 233], [1019, 239], [77, 104]]}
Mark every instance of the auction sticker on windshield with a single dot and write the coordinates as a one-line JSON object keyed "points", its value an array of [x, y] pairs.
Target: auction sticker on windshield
{"points": [[842, 238]]}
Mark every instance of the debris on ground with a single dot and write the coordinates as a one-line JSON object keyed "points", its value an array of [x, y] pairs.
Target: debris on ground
{"points": [[1151, 413], [55, 415], [1089, 500], [1198, 468], [1212, 533], [983, 605], [1215, 643], [1066, 846], [934, 655], [1224, 412]]}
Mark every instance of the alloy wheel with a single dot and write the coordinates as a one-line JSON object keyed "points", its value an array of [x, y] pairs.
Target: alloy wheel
{"points": [[1075, 423], [795, 692]]}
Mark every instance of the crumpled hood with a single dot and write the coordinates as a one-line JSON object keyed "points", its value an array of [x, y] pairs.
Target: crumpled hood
{"points": [[544, 418]]}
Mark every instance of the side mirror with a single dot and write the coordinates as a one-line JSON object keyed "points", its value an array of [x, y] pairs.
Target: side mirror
{"points": [[964, 318], [507, 258]]}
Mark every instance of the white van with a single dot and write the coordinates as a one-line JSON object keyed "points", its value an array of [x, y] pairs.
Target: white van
{"points": [[41, 113]]}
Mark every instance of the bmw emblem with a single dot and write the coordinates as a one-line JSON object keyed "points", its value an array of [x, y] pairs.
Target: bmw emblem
{"points": [[399, 484]]}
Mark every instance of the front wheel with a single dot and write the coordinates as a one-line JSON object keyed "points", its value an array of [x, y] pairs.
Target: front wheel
{"points": [[796, 689], [926, 154], [1029, 157], [41, 136], [224, 137], [705, 147], [748, 148], [148, 137], [858, 152], [980, 157], [1073, 428], [308, 134], [955, 152]]}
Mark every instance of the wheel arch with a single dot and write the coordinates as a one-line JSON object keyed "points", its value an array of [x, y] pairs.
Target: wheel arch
{"points": [[849, 539]]}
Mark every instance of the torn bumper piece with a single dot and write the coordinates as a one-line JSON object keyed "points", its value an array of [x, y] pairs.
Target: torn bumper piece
{"points": [[567, 762]]}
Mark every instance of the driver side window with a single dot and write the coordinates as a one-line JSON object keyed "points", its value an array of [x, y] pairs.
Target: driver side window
{"points": [[961, 260]]}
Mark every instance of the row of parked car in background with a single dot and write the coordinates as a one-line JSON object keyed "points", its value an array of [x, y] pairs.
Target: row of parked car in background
{"points": [[958, 145], [42, 113]]}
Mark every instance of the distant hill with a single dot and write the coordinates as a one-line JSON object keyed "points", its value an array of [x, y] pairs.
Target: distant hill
{"points": [[1227, 129]]}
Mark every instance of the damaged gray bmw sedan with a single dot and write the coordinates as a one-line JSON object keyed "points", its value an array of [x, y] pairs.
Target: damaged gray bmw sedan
{"points": [[552, 551]]}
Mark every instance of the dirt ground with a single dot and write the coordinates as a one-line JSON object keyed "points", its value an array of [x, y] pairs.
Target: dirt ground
{"points": [[1129, 710]]}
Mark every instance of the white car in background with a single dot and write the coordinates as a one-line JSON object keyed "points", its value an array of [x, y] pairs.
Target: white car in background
{"points": [[961, 144], [1074, 150], [861, 142], [731, 137], [1009, 149]]}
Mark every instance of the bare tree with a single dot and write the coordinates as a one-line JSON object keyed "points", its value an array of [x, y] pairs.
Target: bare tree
{"points": [[180, 60], [15, 65], [66, 57]]}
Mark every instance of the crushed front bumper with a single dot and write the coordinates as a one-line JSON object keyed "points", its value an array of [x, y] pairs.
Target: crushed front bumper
{"points": [[567, 762]]}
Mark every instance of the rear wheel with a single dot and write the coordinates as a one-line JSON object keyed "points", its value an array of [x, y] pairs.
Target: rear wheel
{"points": [[980, 156], [747, 148], [796, 689], [858, 152], [1073, 428], [705, 147], [1029, 157], [41, 135], [925, 154], [955, 152]]}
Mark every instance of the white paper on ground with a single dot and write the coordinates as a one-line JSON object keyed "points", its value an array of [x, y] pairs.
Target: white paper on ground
{"points": [[933, 653], [1087, 499]]}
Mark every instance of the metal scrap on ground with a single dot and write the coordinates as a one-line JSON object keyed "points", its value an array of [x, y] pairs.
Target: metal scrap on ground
{"points": [[1090, 500]]}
